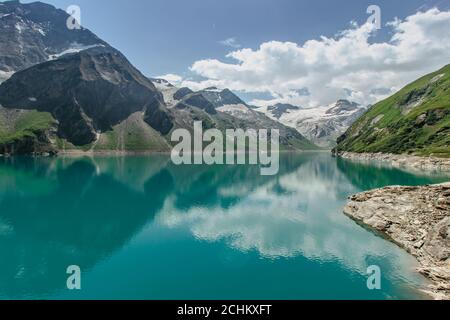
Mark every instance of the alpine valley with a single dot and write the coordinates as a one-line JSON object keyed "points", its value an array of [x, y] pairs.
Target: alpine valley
{"points": [[139, 225], [69, 91]]}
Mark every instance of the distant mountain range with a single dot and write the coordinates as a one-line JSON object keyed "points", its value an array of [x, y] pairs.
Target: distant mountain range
{"points": [[223, 109], [322, 125], [415, 120], [69, 90]]}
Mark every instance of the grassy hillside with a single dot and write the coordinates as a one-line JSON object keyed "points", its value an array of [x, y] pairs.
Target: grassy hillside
{"points": [[133, 134], [16, 124], [416, 120]]}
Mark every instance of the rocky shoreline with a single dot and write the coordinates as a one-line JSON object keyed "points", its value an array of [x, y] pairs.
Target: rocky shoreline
{"points": [[418, 220], [402, 160]]}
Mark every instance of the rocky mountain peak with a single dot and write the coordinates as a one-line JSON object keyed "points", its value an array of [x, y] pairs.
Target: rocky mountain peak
{"points": [[182, 92], [220, 98], [279, 109], [36, 32], [162, 82], [86, 92], [343, 106], [198, 100]]}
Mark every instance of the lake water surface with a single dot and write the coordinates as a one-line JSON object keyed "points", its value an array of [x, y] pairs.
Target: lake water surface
{"points": [[140, 227]]}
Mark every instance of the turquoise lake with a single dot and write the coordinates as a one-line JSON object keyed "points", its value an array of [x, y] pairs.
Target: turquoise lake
{"points": [[140, 227]]}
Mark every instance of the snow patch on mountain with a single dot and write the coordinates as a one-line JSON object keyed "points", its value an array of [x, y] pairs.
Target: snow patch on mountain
{"points": [[74, 48], [213, 89], [321, 125], [236, 110], [40, 30], [168, 91], [223, 100], [5, 75]]}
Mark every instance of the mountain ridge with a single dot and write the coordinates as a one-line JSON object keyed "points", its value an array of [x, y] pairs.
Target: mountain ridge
{"points": [[222, 109], [415, 120]]}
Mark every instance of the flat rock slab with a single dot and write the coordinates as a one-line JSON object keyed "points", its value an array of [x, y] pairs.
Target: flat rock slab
{"points": [[415, 218]]}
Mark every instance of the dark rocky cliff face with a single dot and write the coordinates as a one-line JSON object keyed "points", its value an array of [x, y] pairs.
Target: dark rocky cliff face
{"points": [[197, 99], [181, 93], [86, 92], [157, 116]]}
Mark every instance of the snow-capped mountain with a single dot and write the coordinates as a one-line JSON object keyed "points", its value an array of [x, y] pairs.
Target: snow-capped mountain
{"points": [[226, 101], [227, 110], [37, 32], [211, 98], [322, 125], [220, 99]]}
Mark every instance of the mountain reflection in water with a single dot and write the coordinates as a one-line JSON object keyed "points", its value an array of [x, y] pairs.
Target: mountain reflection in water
{"points": [[56, 212]]}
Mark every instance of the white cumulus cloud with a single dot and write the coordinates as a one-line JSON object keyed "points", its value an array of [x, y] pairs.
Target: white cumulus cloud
{"points": [[349, 65]]}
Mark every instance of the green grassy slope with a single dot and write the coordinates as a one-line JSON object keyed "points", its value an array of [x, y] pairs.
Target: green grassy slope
{"points": [[134, 135], [415, 120], [131, 135], [18, 124]]}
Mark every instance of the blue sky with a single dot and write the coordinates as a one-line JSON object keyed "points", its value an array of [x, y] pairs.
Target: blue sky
{"points": [[169, 37], [161, 36]]}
